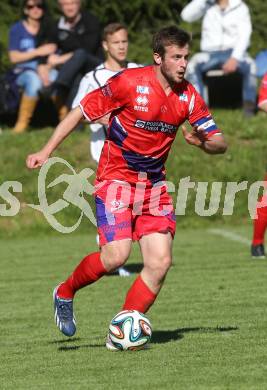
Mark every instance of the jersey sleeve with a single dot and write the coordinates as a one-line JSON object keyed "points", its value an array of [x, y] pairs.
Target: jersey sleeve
{"points": [[113, 95], [263, 91], [200, 116]]}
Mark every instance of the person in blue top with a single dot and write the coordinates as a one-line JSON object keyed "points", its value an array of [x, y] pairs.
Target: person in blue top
{"points": [[28, 42]]}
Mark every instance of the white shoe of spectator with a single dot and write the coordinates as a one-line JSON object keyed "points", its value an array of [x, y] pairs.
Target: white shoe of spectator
{"points": [[123, 272]]}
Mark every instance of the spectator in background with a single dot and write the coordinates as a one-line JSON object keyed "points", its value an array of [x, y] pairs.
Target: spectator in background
{"points": [[27, 43], [115, 45], [77, 35], [225, 38]]}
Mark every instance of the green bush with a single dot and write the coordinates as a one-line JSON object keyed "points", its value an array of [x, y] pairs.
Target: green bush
{"points": [[142, 18]]}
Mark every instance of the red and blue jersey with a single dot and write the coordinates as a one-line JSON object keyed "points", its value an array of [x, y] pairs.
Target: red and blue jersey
{"points": [[143, 122]]}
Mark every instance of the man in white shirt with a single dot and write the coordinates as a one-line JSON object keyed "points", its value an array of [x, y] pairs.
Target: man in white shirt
{"points": [[225, 38], [115, 45]]}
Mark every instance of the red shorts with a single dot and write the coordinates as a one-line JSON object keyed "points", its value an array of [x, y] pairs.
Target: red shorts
{"points": [[132, 211]]}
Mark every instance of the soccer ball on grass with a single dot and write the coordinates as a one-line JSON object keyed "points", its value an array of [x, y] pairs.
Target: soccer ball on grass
{"points": [[128, 330]]}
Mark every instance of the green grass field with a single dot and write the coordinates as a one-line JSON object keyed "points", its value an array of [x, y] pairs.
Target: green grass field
{"points": [[245, 160], [209, 322]]}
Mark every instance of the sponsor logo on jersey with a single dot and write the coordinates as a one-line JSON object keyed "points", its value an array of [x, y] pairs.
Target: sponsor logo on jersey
{"points": [[183, 97], [116, 205], [142, 89], [163, 108], [141, 108], [141, 100], [140, 124], [160, 126]]}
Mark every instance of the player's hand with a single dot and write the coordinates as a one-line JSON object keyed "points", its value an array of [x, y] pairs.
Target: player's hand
{"points": [[197, 136], [36, 160]]}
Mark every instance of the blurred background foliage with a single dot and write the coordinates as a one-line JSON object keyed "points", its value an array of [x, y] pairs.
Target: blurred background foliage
{"points": [[142, 17]]}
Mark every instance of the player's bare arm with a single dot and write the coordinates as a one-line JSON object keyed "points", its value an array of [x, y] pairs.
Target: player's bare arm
{"points": [[213, 145], [63, 129]]}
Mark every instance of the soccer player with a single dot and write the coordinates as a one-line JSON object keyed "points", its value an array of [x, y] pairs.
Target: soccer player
{"points": [[115, 45], [146, 106], [260, 223]]}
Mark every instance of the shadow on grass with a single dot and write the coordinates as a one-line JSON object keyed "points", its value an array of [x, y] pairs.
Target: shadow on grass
{"points": [[67, 344], [76, 347], [165, 336], [134, 268], [64, 341], [158, 337]]}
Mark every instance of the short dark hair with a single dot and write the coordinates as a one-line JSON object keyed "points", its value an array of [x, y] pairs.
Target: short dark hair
{"points": [[111, 28], [168, 36]]}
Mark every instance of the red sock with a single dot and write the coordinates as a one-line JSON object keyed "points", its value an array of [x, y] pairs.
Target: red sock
{"points": [[139, 297], [260, 224], [88, 271]]}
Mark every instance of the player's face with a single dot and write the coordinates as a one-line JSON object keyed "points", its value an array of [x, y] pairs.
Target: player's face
{"points": [[116, 45], [70, 8], [174, 63]]}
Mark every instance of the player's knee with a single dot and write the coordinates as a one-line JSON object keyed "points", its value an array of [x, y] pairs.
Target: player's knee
{"points": [[114, 257], [117, 261], [160, 266], [165, 263]]}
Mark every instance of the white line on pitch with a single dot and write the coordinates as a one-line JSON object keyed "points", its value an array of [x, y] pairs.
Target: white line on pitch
{"points": [[231, 236]]}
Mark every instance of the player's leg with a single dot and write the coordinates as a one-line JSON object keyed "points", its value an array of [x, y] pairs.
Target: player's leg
{"points": [[121, 271], [90, 269], [94, 266], [115, 233], [154, 229], [259, 228], [156, 252]]}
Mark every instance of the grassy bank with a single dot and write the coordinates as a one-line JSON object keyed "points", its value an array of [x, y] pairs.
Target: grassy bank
{"points": [[244, 161]]}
